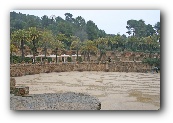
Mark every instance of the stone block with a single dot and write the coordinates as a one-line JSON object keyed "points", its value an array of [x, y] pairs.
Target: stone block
{"points": [[21, 90], [12, 82]]}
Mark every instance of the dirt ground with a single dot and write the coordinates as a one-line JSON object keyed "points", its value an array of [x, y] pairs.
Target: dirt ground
{"points": [[115, 90]]}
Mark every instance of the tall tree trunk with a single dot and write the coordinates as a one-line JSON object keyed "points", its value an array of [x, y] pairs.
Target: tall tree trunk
{"points": [[84, 55], [56, 55], [88, 59], [100, 55], [77, 55], [88, 55], [34, 48], [11, 57], [45, 51], [22, 49]]}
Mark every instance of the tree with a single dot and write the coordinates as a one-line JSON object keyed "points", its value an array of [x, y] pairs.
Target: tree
{"points": [[131, 26], [32, 21], [157, 28], [35, 35], [45, 21], [22, 36], [16, 21], [68, 17], [58, 45], [139, 28], [91, 30], [102, 44], [115, 41], [76, 44], [82, 34], [63, 38], [141, 44], [149, 42], [110, 41], [46, 40], [150, 30], [133, 43], [13, 49], [80, 22], [88, 47], [65, 27]]}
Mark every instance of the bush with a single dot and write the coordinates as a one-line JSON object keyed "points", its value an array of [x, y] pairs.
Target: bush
{"points": [[80, 59], [119, 49], [18, 59], [69, 59], [152, 61], [49, 60]]}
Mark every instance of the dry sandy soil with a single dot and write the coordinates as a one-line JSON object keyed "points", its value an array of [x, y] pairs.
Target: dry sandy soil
{"points": [[115, 90]]}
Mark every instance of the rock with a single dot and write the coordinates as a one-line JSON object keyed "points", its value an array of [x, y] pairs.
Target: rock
{"points": [[12, 82], [12, 89], [80, 69], [20, 91]]}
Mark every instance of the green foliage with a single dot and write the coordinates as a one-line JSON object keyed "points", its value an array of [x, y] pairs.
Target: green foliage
{"points": [[78, 34], [80, 59], [49, 59], [18, 59], [69, 59], [152, 61], [139, 28]]}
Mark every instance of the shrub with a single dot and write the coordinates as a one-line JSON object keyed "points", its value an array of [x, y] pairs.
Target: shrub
{"points": [[18, 59], [69, 59], [152, 61], [80, 59]]}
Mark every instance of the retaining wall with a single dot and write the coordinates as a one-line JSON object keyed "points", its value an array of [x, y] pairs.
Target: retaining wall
{"points": [[29, 69]]}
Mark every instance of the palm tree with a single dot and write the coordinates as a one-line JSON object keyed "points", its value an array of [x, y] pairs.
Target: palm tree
{"points": [[141, 44], [76, 44], [58, 45], [149, 42], [115, 41], [133, 42], [88, 47], [46, 40], [13, 49], [35, 34], [111, 42], [21, 36], [102, 46], [63, 38]]}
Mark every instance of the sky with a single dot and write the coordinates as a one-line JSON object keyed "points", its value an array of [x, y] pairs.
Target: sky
{"points": [[111, 21]]}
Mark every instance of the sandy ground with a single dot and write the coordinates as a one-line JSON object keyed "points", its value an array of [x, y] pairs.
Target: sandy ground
{"points": [[115, 90]]}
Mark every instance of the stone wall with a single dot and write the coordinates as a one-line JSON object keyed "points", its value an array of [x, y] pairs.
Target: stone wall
{"points": [[18, 90], [29, 69]]}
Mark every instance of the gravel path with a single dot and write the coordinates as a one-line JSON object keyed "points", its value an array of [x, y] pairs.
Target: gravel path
{"points": [[64, 101]]}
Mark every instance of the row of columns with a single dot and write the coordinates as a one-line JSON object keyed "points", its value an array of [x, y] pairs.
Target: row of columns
{"points": [[53, 56]]}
